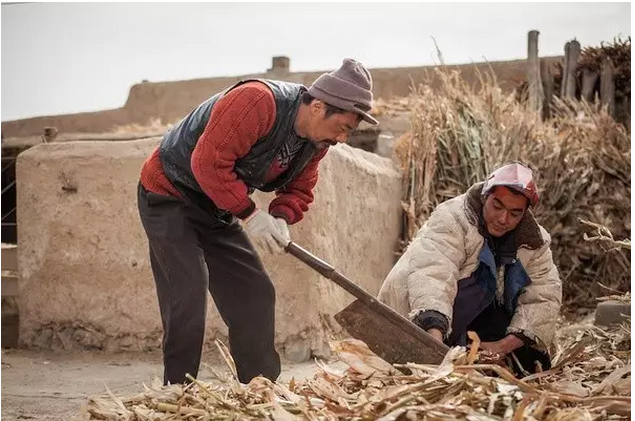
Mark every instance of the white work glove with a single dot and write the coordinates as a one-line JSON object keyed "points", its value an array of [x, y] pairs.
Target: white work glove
{"points": [[267, 230]]}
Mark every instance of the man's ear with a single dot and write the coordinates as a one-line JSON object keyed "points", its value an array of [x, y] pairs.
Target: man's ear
{"points": [[317, 106]]}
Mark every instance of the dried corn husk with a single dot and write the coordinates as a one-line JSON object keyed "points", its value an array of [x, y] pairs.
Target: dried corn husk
{"points": [[590, 379]]}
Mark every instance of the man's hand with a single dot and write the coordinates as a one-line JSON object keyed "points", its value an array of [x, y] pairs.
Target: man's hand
{"points": [[436, 334], [504, 346], [264, 228]]}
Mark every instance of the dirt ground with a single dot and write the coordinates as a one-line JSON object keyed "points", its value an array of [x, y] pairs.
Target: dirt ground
{"points": [[54, 387]]}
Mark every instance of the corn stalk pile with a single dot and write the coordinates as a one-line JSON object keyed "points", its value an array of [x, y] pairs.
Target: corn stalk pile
{"points": [[619, 53], [591, 60], [580, 157], [590, 380]]}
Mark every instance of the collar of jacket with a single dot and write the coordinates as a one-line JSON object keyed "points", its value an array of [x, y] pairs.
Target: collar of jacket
{"points": [[528, 233]]}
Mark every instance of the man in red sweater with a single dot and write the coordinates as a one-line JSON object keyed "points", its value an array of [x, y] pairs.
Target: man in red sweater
{"points": [[195, 207]]}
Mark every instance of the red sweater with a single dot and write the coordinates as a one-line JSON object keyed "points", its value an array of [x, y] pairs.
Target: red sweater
{"points": [[238, 120]]}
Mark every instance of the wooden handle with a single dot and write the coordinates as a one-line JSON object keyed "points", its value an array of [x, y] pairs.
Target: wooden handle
{"points": [[329, 272], [316, 263], [378, 307]]}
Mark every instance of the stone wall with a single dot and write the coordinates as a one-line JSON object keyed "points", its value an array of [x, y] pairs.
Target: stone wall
{"points": [[85, 280]]}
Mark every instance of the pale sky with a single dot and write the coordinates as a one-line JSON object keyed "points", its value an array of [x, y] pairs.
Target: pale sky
{"points": [[75, 57]]}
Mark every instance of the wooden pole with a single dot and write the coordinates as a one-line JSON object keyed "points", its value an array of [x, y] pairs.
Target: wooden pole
{"points": [[571, 58], [548, 88], [589, 80], [607, 85], [536, 93], [563, 82]]}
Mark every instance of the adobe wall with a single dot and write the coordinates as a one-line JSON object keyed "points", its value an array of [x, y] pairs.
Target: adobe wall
{"points": [[170, 101], [85, 279]]}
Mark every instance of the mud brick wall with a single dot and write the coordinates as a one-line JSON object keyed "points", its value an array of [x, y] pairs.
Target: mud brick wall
{"points": [[85, 279]]}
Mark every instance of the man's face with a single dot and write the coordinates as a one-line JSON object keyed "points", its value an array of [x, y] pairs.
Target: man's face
{"points": [[503, 210], [325, 131]]}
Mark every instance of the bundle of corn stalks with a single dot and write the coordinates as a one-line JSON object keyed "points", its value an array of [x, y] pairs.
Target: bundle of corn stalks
{"points": [[588, 77], [590, 380], [619, 52], [581, 160]]}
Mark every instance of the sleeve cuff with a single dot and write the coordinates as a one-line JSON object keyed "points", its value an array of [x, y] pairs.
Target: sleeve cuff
{"points": [[284, 213], [527, 337], [431, 319], [247, 211]]}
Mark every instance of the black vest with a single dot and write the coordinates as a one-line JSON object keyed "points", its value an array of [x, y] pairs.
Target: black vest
{"points": [[175, 150]]}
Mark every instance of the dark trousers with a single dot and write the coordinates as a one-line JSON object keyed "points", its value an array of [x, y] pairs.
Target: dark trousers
{"points": [[192, 251], [491, 325]]}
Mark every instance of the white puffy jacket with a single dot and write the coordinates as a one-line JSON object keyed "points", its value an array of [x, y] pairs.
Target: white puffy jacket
{"points": [[446, 249]]}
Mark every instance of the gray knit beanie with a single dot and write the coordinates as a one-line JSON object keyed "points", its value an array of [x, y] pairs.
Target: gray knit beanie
{"points": [[349, 88]]}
